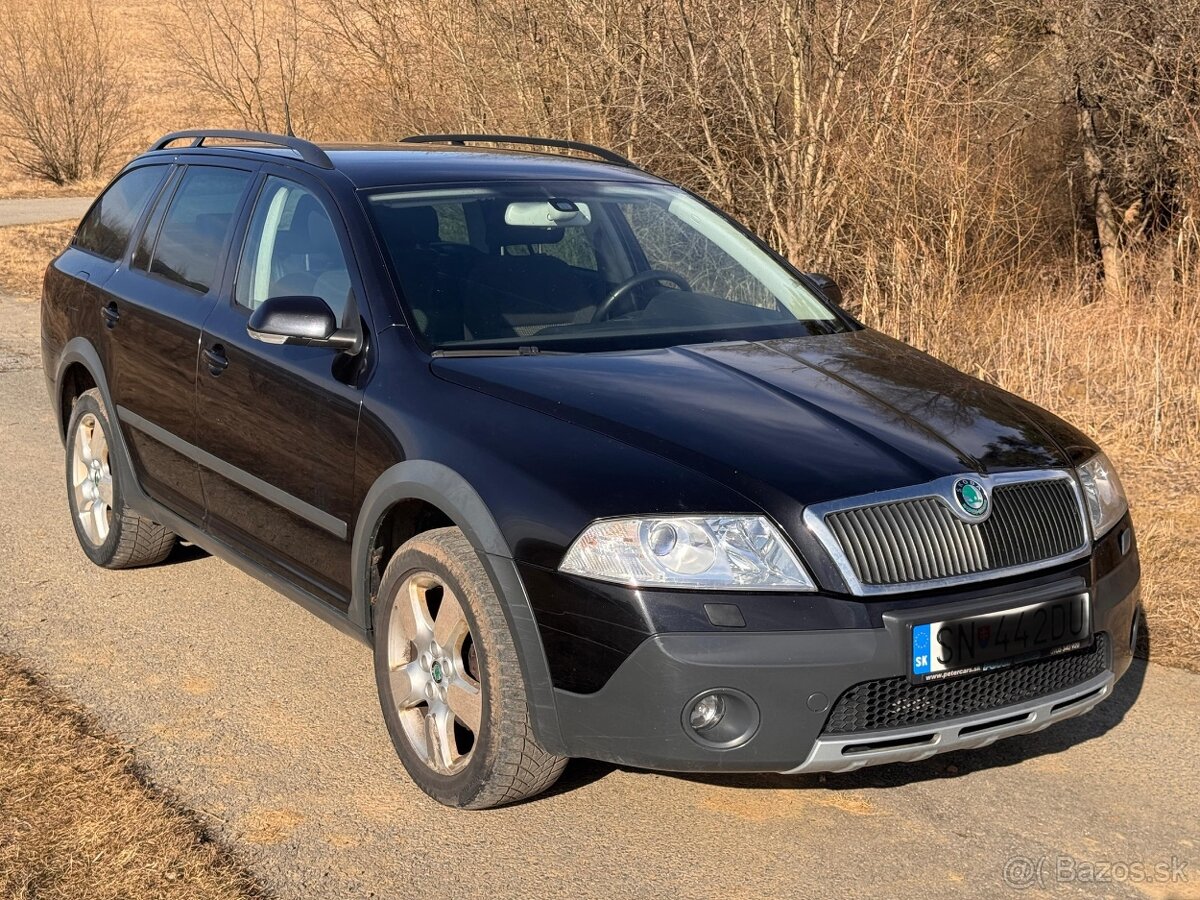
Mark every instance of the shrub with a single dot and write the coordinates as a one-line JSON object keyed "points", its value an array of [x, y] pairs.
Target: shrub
{"points": [[63, 103]]}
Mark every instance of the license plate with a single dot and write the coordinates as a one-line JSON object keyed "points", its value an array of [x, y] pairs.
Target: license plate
{"points": [[955, 647]]}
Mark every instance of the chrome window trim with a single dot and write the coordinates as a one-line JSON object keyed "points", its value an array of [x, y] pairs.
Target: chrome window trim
{"points": [[943, 489]]}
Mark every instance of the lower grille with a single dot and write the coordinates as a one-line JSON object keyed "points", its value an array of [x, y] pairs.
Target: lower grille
{"points": [[895, 703]]}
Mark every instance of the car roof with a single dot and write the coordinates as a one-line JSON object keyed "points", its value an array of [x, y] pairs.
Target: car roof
{"points": [[370, 166]]}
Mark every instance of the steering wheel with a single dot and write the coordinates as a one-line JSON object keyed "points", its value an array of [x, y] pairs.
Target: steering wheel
{"points": [[606, 305]]}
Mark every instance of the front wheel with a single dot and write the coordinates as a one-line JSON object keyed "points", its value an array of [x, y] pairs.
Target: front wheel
{"points": [[450, 684]]}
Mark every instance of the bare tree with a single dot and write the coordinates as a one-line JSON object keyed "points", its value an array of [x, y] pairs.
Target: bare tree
{"points": [[248, 54], [63, 103], [381, 56], [835, 127], [910, 146], [1129, 69]]}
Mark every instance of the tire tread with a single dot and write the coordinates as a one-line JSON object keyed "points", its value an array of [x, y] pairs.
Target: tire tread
{"points": [[140, 541], [519, 767]]}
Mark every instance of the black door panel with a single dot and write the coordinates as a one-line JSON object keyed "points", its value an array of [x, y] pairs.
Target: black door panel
{"points": [[280, 422], [154, 346], [283, 427], [153, 313]]}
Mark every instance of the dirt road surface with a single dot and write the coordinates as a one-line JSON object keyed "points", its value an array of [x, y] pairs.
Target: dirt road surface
{"points": [[33, 210], [265, 720]]}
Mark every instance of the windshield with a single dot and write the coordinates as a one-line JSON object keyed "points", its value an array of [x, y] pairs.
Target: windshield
{"points": [[575, 266]]}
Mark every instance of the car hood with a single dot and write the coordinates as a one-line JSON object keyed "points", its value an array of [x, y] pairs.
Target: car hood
{"points": [[813, 418]]}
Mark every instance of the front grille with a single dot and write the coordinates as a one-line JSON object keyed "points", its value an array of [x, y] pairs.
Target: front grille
{"points": [[896, 703], [909, 541]]}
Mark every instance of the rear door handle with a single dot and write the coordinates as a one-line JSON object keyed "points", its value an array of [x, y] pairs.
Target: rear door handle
{"points": [[217, 361], [111, 315]]}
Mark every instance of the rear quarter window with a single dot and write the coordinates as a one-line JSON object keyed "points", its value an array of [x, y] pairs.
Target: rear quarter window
{"points": [[452, 223], [106, 228]]}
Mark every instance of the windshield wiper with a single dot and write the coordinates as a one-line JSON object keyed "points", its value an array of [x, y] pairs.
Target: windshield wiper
{"points": [[527, 350]]}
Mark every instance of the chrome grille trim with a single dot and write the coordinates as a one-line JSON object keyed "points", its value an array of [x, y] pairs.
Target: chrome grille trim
{"points": [[919, 538]]}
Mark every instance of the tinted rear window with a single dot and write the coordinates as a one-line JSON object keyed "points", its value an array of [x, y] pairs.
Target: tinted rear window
{"points": [[196, 226], [106, 228]]}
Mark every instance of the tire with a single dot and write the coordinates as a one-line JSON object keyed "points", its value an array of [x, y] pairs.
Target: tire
{"points": [[110, 533], [450, 684]]}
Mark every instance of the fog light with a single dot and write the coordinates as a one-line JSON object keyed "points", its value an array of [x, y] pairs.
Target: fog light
{"points": [[720, 718], [707, 712]]}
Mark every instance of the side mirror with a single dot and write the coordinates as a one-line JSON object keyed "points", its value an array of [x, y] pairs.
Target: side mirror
{"points": [[307, 321], [826, 286]]}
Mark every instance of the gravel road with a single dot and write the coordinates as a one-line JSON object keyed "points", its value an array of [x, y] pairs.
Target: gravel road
{"points": [[33, 210], [265, 720]]}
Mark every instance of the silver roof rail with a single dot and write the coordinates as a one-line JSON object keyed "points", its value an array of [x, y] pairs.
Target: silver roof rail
{"points": [[307, 150], [464, 139]]}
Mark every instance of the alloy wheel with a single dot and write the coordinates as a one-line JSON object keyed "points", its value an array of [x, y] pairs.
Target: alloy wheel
{"points": [[91, 479], [434, 673]]}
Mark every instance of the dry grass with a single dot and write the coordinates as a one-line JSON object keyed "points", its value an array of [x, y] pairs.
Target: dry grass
{"points": [[25, 251], [1124, 370], [1169, 543], [14, 183], [78, 820]]}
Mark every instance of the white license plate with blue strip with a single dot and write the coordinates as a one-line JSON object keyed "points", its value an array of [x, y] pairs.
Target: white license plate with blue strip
{"points": [[955, 647]]}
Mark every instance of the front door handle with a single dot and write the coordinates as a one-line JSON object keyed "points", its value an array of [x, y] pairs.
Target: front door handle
{"points": [[111, 315], [217, 361]]}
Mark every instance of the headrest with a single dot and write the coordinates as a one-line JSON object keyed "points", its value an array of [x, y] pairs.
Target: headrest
{"points": [[302, 215], [509, 235], [407, 225], [321, 235]]}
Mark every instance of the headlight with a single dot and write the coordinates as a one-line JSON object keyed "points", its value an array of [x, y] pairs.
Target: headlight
{"points": [[716, 552], [1102, 490]]}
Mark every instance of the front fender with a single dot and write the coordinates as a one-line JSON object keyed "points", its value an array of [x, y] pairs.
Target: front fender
{"points": [[441, 486]]}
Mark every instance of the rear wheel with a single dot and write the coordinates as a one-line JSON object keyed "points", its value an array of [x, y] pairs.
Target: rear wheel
{"points": [[111, 534], [450, 685]]}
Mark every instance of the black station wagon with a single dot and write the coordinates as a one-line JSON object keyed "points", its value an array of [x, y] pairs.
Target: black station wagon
{"points": [[593, 470]]}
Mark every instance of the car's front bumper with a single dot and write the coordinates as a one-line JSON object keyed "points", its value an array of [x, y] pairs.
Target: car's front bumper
{"points": [[794, 680], [844, 753]]}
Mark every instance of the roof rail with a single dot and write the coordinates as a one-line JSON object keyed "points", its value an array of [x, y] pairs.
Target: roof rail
{"points": [[307, 150], [463, 139]]}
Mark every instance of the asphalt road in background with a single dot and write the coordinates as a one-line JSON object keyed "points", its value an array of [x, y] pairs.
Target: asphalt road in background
{"points": [[265, 720], [33, 210]]}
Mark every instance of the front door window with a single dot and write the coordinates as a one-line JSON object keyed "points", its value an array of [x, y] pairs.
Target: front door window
{"points": [[292, 250]]}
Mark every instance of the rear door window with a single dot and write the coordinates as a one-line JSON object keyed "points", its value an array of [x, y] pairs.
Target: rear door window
{"points": [[452, 223], [106, 228], [571, 245], [196, 226], [143, 245]]}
